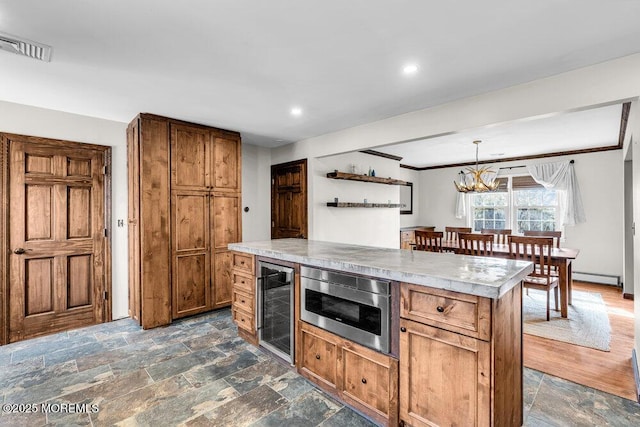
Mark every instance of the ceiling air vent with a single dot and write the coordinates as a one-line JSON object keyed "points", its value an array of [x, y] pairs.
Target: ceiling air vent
{"points": [[25, 47]]}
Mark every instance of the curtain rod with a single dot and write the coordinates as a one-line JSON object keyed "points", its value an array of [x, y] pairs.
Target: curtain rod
{"points": [[523, 166]]}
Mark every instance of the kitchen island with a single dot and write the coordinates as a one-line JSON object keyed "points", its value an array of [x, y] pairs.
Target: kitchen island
{"points": [[455, 332]]}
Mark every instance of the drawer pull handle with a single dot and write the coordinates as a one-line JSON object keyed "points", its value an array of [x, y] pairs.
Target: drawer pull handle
{"points": [[364, 381], [403, 329], [242, 301], [318, 356], [440, 309], [241, 262]]}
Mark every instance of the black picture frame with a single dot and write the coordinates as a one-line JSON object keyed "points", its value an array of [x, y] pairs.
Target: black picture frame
{"points": [[406, 198]]}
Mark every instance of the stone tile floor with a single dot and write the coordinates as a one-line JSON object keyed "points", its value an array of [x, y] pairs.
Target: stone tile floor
{"points": [[197, 372]]}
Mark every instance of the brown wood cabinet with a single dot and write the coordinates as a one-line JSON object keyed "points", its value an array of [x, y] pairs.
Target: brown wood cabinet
{"points": [[408, 236], [184, 208], [460, 358], [243, 303], [363, 378]]}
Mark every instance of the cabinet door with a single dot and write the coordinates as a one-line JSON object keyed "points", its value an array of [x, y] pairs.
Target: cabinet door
{"points": [[223, 279], [444, 377], [226, 220], [319, 353], [226, 164], [191, 253], [369, 381], [190, 158]]}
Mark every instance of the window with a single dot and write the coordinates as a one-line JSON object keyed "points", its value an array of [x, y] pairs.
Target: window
{"points": [[519, 204], [535, 209], [490, 210]]}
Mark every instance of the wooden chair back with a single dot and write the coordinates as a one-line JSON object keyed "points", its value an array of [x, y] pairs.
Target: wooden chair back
{"points": [[430, 241], [476, 244], [538, 251], [499, 236], [534, 249], [451, 233], [555, 234]]}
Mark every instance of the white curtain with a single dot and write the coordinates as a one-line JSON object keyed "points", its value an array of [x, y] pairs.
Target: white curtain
{"points": [[561, 176], [460, 207]]}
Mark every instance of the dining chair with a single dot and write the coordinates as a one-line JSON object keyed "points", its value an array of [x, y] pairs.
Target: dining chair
{"points": [[476, 244], [549, 233], [500, 235], [451, 233], [430, 241], [555, 234], [538, 251], [451, 237]]}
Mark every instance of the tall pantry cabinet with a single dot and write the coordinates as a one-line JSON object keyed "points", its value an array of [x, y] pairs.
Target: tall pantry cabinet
{"points": [[184, 208]]}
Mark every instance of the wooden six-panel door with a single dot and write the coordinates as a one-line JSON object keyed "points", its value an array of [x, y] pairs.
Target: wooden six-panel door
{"points": [[56, 237], [289, 200]]}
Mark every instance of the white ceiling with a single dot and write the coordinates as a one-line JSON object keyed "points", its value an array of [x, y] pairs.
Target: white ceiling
{"points": [[243, 65], [581, 130]]}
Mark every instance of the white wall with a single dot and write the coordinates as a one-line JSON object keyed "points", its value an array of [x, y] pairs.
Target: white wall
{"points": [[256, 193], [27, 120], [412, 176], [360, 226], [600, 176], [627, 231], [632, 146]]}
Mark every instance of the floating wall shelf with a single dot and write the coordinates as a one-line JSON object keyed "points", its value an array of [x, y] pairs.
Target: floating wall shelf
{"points": [[365, 178], [363, 205]]}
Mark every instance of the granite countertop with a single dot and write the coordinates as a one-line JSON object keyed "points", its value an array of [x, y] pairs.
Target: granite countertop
{"points": [[481, 276]]}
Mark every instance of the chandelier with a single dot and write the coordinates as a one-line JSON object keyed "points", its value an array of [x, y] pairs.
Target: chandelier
{"points": [[473, 182]]}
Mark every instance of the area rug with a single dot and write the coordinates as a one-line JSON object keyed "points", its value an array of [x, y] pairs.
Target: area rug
{"points": [[587, 324]]}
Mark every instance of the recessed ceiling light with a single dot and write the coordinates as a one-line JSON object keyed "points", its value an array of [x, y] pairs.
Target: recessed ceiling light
{"points": [[296, 111], [410, 69], [496, 154]]}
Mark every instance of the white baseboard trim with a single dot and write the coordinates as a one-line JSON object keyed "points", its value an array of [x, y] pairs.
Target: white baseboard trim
{"points": [[605, 279]]}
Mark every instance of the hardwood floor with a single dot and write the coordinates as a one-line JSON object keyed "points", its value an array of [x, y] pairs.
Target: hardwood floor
{"points": [[611, 371]]}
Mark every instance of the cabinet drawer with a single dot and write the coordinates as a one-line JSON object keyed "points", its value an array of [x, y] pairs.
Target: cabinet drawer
{"points": [[244, 320], [243, 262], [466, 314], [243, 281], [407, 236], [370, 379], [318, 357], [243, 301]]}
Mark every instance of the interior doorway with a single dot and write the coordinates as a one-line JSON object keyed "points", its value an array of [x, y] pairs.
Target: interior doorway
{"points": [[289, 200], [629, 226], [55, 233]]}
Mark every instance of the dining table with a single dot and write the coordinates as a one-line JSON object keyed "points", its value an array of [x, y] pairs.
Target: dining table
{"points": [[561, 258]]}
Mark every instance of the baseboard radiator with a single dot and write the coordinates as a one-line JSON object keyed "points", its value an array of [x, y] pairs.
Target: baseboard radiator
{"points": [[605, 279]]}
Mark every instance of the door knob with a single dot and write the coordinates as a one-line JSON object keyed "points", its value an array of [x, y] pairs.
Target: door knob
{"points": [[19, 251]]}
